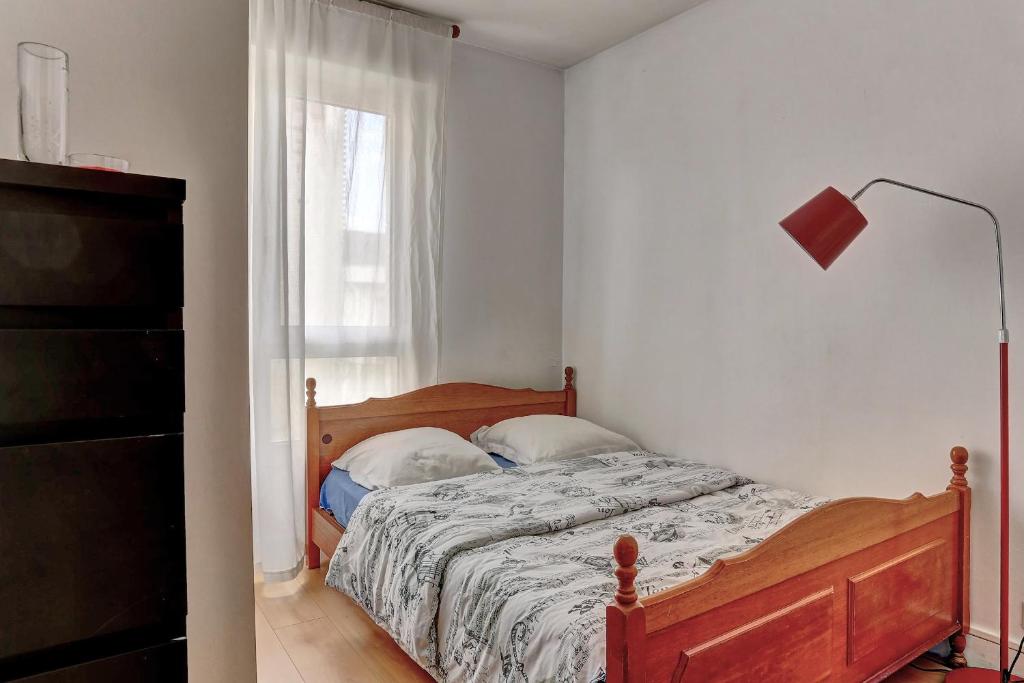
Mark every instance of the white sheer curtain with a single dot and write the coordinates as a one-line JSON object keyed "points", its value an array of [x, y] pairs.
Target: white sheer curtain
{"points": [[347, 106]]}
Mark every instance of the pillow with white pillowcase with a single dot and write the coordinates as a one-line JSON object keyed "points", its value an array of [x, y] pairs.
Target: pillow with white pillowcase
{"points": [[413, 456], [548, 438]]}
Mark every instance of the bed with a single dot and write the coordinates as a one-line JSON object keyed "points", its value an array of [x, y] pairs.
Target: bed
{"points": [[850, 591]]}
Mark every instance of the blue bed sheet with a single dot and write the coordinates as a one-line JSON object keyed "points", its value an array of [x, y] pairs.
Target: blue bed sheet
{"points": [[339, 495]]}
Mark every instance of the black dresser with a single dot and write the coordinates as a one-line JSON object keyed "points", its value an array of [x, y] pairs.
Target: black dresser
{"points": [[92, 522]]}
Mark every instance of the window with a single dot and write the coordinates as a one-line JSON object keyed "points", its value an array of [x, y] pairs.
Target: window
{"points": [[346, 213], [342, 191]]}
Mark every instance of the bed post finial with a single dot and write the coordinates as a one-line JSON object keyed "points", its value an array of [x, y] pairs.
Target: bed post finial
{"points": [[957, 642], [570, 391], [626, 552], [958, 456], [310, 392], [625, 627]]}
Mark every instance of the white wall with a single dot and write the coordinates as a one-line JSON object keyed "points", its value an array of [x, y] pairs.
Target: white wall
{"points": [[163, 84], [698, 327], [502, 258]]}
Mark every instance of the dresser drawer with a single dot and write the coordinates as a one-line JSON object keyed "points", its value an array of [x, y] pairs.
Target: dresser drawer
{"points": [[161, 664], [52, 259], [54, 375], [92, 538]]}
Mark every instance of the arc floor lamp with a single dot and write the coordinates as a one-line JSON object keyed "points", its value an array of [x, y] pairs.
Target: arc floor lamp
{"points": [[825, 226]]}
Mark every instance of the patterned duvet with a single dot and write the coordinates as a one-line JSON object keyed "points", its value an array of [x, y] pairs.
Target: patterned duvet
{"points": [[504, 576]]}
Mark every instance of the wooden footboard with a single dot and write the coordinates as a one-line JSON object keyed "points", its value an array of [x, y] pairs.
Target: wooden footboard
{"points": [[851, 591]]}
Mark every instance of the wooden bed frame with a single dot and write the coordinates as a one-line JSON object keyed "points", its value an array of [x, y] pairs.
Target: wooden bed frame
{"points": [[851, 591]]}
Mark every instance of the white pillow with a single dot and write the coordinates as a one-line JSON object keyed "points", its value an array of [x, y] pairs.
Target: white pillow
{"points": [[546, 438], [412, 456]]}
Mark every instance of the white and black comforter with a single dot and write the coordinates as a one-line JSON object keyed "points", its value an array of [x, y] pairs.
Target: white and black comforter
{"points": [[504, 576]]}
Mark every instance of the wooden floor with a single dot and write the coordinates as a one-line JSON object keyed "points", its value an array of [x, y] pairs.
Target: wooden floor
{"points": [[308, 633]]}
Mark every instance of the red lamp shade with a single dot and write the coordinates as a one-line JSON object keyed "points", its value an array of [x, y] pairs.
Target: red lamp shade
{"points": [[825, 225]]}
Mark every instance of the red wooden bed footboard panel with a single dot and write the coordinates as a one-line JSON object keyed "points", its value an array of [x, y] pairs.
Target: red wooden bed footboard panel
{"points": [[848, 592], [802, 630]]}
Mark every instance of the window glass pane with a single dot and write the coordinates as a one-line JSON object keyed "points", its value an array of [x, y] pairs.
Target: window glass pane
{"points": [[344, 201]]}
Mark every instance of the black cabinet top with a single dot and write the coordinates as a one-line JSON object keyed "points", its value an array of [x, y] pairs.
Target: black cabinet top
{"points": [[28, 174]]}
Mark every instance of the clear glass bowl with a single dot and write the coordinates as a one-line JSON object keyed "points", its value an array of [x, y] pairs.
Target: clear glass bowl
{"points": [[98, 162]]}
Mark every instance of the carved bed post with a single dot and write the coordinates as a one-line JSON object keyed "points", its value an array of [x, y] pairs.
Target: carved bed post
{"points": [[570, 392], [958, 641], [312, 471], [626, 624]]}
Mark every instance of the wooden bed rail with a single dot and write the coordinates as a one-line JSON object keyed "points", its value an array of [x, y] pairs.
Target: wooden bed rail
{"points": [[851, 591]]}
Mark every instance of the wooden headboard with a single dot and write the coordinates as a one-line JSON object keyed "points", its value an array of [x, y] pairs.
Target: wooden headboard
{"points": [[460, 407]]}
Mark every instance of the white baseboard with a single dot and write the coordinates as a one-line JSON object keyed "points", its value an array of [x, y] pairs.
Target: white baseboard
{"points": [[982, 649]]}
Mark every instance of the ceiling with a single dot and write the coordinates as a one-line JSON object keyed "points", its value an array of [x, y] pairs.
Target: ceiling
{"points": [[558, 33]]}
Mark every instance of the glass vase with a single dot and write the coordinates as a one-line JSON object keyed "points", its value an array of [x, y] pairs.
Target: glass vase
{"points": [[42, 102]]}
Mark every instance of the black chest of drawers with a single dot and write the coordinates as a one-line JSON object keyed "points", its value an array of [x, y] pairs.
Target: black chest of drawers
{"points": [[92, 529]]}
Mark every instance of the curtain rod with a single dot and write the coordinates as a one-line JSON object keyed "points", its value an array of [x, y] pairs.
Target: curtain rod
{"points": [[456, 31]]}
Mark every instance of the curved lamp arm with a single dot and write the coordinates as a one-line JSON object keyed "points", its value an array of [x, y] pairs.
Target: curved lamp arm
{"points": [[1003, 333]]}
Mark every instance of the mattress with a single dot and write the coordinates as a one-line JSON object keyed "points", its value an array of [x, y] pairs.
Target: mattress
{"points": [[340, 496]]}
